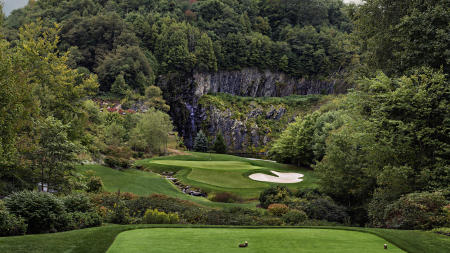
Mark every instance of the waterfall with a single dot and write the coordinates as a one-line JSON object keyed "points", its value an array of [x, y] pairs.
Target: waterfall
{"points": [[192, 129]]}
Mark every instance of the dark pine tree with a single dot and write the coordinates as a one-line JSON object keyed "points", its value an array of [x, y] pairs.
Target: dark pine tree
{"points": [[201, 142], [219, 144]]}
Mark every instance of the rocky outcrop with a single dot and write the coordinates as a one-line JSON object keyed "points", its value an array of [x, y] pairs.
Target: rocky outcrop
{"points": [[182, 93], [243, 134], [252, 82]]}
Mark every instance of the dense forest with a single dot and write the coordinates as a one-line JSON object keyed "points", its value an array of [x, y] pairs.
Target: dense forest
{"points": [[381, 149]]}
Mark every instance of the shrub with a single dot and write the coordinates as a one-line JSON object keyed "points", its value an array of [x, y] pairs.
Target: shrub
{"points": [[95, 184], [309, 194], [78, 203], [422, 210], [117, 162], [84, 220], [43, 212], [226, 197], [278, 209], [219, 145], [11, 224], [325, 209], [275, 194], [120, 214], [296, 203], [270, 221], [294, 217], [153, 216]]}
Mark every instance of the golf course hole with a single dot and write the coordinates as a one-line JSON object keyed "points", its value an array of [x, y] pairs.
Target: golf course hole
{"points": [[266, 240], [285, 178]]}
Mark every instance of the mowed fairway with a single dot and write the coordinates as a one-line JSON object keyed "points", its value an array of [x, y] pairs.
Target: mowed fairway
{"points": [[207, 240], [144, 183], [225, 173]]}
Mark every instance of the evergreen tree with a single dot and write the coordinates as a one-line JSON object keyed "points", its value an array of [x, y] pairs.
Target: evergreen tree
{"points": [[119, 86], [201, 142], [219, 145]]}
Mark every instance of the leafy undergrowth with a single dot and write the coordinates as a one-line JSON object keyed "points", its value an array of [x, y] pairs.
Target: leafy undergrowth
{"points": [[98, 240]]}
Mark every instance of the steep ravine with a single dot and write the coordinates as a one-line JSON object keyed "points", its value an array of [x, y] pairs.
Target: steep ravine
{"points": [[241, 130]]}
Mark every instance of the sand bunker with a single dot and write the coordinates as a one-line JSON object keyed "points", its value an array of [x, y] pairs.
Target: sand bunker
{"points": [[285, 178]]}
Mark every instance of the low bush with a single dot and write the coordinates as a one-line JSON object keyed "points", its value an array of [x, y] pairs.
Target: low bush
{"points": [[153, 216], [275, 194], [43, 212], [309, 194], [94, 184], [117, 162], [422, 210], [120, 214], [269, 221], [325, 209], [294, 217], [226, 197], [278, 209], [11, 224], [84, 220], [78, 203]]}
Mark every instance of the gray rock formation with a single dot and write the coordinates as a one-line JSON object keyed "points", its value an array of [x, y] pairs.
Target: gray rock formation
{"points": [[183, 92], [252, 82]]}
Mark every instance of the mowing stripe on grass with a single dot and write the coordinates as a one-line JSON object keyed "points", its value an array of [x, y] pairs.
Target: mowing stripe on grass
{"points": [[222, 240]]}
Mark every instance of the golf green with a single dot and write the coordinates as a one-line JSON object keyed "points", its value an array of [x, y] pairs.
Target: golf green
{"points": [[220, 240], [215, 173]]}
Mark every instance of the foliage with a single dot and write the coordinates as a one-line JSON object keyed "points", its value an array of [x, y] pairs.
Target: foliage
{"points": [[94, 184], [78, 203], [417, 211], [325, 209], [11, 224], [278, 209], [225, 197], [200, 142], [156, 217], [397, 35], [43, 212], [385, 139], [151, 132], [79, 220], [273, 195], [294, 217], [120, 213], [219, 145]]}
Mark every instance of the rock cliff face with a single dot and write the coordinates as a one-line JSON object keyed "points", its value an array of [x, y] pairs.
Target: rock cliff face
{"points": [[256, 83], [183, 93], [245, 130]]}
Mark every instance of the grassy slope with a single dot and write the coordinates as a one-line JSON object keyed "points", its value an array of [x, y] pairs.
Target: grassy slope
{"points": [[224, 173], [146, 183], [161, 240], [98, 240]]}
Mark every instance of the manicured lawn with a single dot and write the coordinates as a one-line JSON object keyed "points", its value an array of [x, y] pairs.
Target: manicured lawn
{"points": [[162, 240], [98, 240], [225, 173], [146, 183]]}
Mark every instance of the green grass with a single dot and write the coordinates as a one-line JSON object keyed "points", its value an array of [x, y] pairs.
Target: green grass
{"points": [[162, 240], [146, 183], [225, 173], [98, 240]]}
